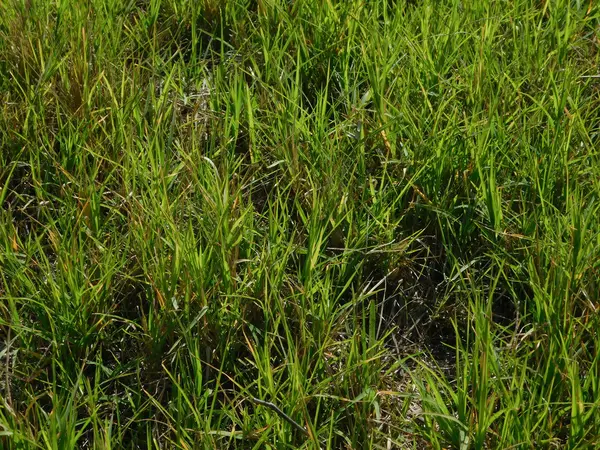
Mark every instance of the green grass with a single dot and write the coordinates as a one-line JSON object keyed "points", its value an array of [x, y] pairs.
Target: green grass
{"points": [[380, 216]]}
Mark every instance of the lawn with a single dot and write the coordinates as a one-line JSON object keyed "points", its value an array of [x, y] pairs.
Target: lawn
{"points": [[284, 224]]}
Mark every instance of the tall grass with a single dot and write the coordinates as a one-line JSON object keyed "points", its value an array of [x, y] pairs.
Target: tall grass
{"points": [[379, 217]]}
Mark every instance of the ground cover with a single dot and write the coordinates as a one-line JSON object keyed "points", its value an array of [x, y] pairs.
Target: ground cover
{"points": [[381, 218]]}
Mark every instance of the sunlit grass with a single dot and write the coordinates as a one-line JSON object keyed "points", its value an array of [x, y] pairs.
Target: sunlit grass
{"points": [[380, 217]]}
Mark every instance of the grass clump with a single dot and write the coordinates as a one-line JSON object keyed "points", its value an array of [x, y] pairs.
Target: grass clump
{"points": [[380, 217]]}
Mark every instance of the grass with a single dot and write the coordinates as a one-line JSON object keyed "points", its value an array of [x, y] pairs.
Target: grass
{"points": [[380, 217]]}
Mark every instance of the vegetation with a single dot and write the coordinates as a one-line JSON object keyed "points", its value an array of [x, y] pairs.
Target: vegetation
{"points": [[381, 217]]}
